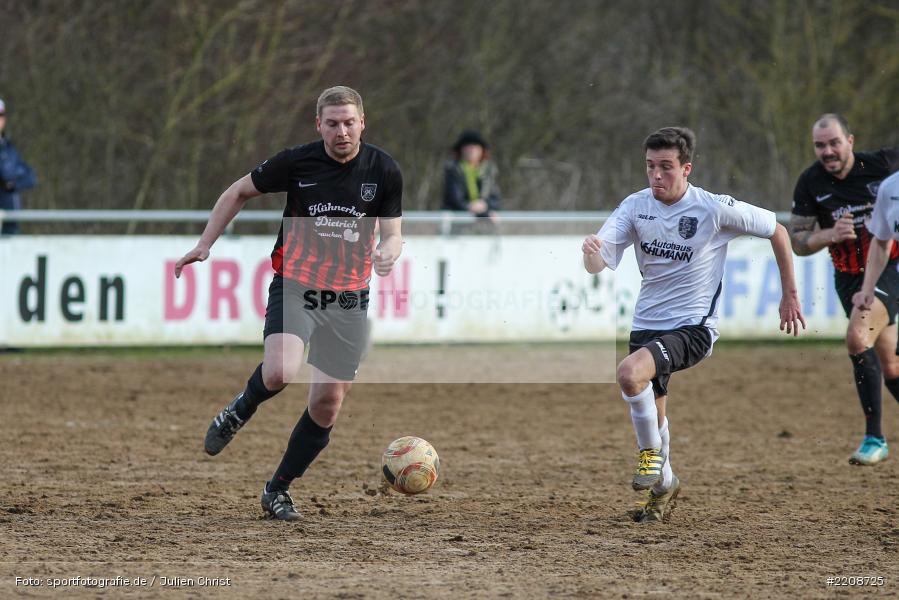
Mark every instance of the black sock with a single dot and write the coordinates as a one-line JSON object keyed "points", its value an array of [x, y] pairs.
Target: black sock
{"points": [[893, 386], [306, 441], [868, 378], [255, 394]]}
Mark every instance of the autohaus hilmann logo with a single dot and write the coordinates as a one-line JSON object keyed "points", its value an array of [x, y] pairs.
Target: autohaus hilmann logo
{"points": [[667, 250]]}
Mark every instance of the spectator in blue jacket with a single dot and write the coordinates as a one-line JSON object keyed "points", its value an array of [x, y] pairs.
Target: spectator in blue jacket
{"points": [[15, 176]]}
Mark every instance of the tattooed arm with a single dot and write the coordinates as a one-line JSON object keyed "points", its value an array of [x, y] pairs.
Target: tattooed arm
{"points": [[806, 240]]}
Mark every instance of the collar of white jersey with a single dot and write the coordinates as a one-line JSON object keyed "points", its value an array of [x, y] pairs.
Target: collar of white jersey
{"points": [[690, 191]]}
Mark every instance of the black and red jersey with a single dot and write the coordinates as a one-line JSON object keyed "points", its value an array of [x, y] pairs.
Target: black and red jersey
{"points": [[820, 194], [327, 236]]}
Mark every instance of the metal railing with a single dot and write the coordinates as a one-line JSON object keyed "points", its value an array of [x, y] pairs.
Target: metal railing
{"points": [[421, 216], [443, 219]]}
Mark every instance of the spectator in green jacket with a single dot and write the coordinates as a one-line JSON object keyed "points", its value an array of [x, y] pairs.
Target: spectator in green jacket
{"points": [[471, 178]]}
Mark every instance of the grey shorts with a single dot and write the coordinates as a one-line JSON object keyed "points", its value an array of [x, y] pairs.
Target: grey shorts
{"points": [[333, 325]]}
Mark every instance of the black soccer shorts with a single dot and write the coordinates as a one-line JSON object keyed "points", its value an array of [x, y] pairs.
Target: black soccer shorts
{"points": [[886, 290], [333, 325], [672, 350]]}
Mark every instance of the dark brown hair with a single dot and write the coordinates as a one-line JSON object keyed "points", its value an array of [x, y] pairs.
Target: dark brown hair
{"points": [[679, 138], [825, 119]]}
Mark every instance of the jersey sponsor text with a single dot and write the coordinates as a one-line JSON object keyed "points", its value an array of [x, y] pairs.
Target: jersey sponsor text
{"points": [[667, 250], [322, 207]]}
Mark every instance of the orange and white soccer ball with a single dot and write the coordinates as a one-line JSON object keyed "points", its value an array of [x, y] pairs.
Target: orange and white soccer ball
{"points": [[410, 465]]}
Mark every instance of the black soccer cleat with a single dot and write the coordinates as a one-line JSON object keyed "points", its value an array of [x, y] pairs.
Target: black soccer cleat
{"points": [[223, 427], [278, 505]]}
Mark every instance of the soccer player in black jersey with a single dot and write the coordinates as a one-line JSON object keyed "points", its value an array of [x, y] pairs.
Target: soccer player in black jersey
{"points": [[831, 202], [323, 260]]}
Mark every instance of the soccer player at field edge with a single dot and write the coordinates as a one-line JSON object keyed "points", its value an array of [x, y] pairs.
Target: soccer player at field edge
{"points": [[680, 234], [342, 177], [884, 227], [831, 201]]}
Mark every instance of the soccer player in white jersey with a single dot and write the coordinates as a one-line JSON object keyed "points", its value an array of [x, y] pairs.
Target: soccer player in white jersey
{"points": [[680, 234], [884, 226]]}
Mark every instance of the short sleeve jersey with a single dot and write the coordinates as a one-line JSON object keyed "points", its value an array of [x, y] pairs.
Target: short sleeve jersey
{"points": [[820, 194], [327, 236], [681, 250], [884, 223]]}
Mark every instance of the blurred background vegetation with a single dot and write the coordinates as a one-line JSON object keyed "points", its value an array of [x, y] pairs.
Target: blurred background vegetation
{"points": [[163, 103]]}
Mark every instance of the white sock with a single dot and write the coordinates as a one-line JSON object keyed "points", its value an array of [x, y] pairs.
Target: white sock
{"points": [[645, 418], [667, 473], [666, 439]]}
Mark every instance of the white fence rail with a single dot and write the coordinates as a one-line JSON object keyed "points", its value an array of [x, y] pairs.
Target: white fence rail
{"points": [[250, 216]]}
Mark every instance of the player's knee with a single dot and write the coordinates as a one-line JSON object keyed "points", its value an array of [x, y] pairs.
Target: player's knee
{"points": [[890, 366], [856, 343], [325, 408], [628, 378], [277, 375]]}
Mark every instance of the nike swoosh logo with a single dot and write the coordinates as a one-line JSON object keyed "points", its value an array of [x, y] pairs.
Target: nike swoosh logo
{"points": [[302, 185], [880, 291], [823, 198]]}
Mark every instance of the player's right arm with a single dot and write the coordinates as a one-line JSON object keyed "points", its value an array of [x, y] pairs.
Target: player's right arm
{"points": [[804, 237], [224, 211], [593, 261], [806, 240], [605, 248]]}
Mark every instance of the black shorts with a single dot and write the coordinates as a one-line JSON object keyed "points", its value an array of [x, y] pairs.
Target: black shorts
{"points": [[886, 290], [672, 350], [333, 325]]}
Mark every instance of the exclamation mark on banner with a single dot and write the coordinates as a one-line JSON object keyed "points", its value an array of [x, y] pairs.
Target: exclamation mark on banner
{"points": [[441, 289]]}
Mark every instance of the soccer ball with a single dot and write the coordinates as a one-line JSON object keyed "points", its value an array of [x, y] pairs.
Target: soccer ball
{"points": [[410, 465]]}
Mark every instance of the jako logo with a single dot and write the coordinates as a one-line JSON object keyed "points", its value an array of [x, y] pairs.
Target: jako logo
{"points": [[346, 300]]}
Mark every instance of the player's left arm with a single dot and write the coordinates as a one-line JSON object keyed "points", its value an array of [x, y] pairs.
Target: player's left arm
{"points": [[878, 255], [390, 245], [879, 249], [790, 309], [746, 219]]}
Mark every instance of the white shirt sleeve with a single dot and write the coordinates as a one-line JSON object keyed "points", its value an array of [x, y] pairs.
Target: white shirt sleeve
{"points": [[878, 224], [617, 233], [741, 218]]}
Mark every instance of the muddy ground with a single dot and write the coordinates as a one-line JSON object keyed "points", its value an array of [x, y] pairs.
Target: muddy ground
{"points": [[103, 475]]}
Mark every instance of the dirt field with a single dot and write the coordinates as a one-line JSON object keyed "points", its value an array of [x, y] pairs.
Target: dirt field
{"points": [[104, 476]]}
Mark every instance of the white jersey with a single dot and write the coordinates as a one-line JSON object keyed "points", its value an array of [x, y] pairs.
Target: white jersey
{"points": [[884, 222], [680, 250]]}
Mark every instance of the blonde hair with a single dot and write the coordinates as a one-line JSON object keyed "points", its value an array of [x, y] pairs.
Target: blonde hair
{"points": [[339, 95]]}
